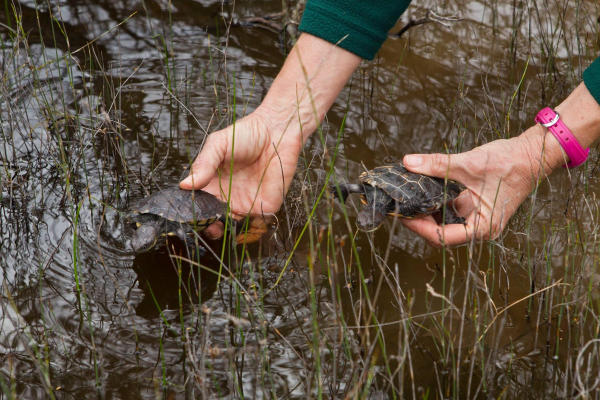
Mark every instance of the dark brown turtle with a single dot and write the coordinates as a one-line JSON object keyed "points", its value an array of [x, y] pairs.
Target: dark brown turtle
{"points": [[173, 212], [393, 190]]}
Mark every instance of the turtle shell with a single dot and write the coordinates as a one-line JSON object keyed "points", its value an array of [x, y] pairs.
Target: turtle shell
{"points": [[183, 206], [427, 193]]}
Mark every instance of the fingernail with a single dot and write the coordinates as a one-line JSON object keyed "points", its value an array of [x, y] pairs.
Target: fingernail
{"points": [[413, 161], [187, 181]]}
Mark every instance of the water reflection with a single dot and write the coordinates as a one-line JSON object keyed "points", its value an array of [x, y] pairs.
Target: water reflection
{"points": [[169, 282], [102, 103]]}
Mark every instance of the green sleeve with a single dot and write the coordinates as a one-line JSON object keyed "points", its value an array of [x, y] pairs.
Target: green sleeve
{"points": [[591, 78], [359, 26]]}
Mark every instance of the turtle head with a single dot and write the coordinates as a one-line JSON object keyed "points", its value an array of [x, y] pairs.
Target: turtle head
{"points": [[144, 238], [369, 219]]}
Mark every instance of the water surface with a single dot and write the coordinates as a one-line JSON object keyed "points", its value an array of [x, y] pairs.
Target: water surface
{"points": [[103, 103]]}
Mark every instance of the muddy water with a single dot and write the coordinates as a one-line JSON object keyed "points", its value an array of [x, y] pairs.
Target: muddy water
{"points": [[85, 135]]}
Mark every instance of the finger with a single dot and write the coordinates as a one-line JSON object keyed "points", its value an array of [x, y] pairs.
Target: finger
{"points": [[463, 204], [214, 231], [205, 166], [252, 232], [448, 235], [249, 234], [440, 165]]}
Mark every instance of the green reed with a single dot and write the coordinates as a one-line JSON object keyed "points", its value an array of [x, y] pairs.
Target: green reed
{"points": [[366, 331]]}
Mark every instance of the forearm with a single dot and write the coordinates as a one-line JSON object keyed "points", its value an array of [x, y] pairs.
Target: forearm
{"points": [[581, 114], [310, 80]]}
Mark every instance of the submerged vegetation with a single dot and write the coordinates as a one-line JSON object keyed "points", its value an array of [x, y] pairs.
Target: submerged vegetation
{"points": [[101, 104]]}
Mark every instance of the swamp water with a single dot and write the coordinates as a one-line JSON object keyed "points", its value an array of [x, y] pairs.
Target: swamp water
{"points": [[103, 102]]}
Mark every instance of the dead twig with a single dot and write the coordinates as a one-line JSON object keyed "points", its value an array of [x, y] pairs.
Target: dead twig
{"points": [[430, 16]]}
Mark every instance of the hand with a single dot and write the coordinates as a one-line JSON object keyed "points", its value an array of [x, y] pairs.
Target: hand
{"points": [[264, 162], [268, 142], [498, 177]]}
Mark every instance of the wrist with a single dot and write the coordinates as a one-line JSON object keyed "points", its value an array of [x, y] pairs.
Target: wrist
{"points": [[310, 80], [541, 150], [289, 117], [581, 114]]}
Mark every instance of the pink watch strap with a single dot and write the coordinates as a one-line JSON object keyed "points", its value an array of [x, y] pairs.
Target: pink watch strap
{"points": [[548, 118]]}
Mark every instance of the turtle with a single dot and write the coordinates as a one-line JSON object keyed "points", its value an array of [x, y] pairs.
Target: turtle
{"points": [[394, 190], [173, 212]]}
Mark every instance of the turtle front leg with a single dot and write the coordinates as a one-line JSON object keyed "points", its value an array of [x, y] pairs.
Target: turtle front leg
{"points": [[450, 216], [447, 213]]}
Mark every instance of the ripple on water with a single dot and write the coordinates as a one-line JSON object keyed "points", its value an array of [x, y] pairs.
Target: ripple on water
{"points": [[97, 309]]}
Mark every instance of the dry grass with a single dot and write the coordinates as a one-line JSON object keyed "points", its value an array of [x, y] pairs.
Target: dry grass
{"points": [[317, 309]]}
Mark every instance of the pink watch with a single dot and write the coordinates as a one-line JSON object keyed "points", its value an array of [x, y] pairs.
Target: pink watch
{"points": [[549, 118]]}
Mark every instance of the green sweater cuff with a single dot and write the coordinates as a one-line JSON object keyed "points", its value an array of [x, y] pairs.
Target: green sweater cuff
{"points": [[358, 26], [591, 78]]}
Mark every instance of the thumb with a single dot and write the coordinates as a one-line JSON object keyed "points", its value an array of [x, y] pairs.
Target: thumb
{"points": [[439, 165], [205, 165]]}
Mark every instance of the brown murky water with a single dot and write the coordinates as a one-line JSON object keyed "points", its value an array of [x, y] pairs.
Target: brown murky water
{"points": [[84, 135]]}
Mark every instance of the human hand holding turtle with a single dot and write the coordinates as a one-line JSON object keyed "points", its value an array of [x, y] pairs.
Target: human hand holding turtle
{"points": [[498, 175], [265, 145], [247, 163], [501, 174]]}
